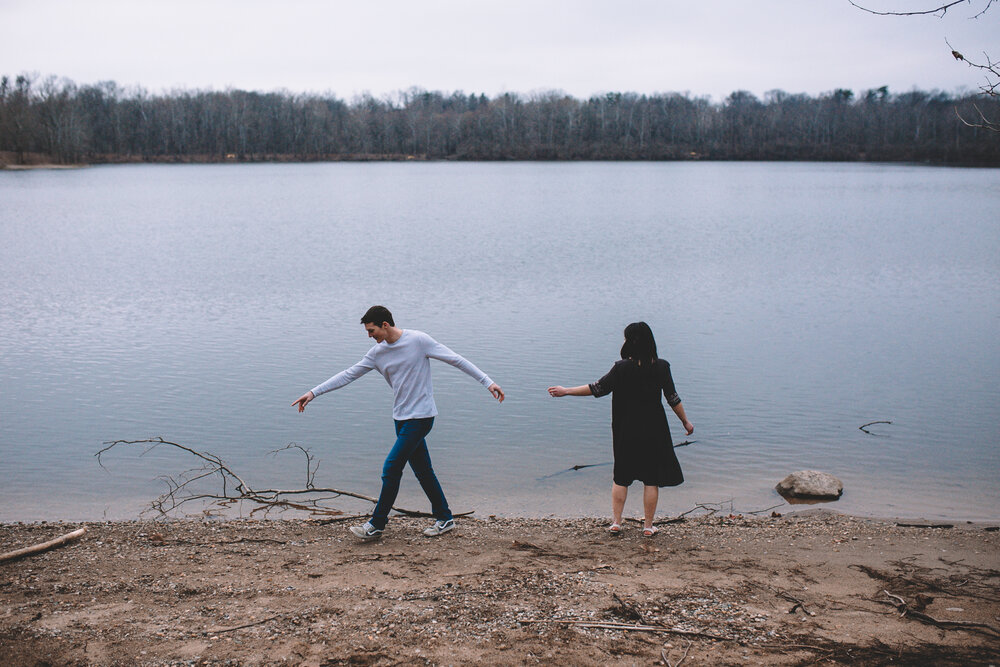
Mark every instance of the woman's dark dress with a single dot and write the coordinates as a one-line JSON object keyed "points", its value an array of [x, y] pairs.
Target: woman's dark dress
{"points": [[642, 445]]}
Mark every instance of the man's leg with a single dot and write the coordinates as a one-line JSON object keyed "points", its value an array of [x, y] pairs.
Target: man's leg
{"points": [[409, 435], [420, 461]]}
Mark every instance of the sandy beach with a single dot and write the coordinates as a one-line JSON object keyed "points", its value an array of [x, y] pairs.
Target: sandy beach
{"points": [[812, 587]]}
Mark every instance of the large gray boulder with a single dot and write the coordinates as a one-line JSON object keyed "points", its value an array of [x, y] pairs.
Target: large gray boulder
{"points": [[810, 484]]}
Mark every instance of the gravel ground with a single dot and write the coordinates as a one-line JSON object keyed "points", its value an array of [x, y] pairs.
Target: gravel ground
{"points": [[806, 588]]}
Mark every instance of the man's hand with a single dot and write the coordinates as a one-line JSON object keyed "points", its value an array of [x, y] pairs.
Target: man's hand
{"points": [[557, 391], [304, 400], [496, 391]]}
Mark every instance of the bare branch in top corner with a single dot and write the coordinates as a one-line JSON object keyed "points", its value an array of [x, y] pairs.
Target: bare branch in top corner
{"points": [[938, 11]]}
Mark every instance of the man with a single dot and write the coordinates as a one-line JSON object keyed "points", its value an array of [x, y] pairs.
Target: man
{"points": [[403, 357]]}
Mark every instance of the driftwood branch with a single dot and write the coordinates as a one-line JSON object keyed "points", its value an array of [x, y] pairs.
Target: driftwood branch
{"points": [[44, 546], [181, 490]]}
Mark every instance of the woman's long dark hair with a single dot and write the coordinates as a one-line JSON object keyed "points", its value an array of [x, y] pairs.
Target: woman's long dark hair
{"points": [[639, 343]]}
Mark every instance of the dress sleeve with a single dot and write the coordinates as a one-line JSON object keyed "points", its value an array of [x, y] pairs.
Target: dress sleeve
{"points": [[605, 385], [669, 392]]}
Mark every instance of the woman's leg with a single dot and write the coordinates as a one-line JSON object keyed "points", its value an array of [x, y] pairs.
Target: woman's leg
{"points": [[618, 495], [650, 494]]}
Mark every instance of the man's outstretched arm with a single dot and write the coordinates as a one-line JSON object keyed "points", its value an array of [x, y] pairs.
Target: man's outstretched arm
{"points": [[339, 380], [436, 350]]}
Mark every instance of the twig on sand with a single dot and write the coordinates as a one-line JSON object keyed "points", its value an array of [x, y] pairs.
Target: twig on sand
{"points": [[663, 654], [798, 604], [44, 546], [240, 627], [611, 625]]}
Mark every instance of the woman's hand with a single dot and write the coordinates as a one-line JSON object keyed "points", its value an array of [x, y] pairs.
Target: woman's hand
{"points": [[582, 390], [688, 426]]}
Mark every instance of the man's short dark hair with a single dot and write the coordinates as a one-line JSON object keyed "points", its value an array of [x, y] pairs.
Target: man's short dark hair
{"points": [[377, 315]]}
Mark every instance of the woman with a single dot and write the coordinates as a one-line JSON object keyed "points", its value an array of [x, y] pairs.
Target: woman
{"points": [[642, 445]]}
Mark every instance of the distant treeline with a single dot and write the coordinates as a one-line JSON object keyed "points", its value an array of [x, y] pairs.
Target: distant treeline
{"points": [[56, 120]]}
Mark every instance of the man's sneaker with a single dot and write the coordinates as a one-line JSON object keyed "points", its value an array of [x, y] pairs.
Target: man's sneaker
{"points": [[367, 531], [439, 528]]}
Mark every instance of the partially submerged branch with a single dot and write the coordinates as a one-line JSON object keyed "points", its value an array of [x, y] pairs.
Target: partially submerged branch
{"points": [[864, 428]]}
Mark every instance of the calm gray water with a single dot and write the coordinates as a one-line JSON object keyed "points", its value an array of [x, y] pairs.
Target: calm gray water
{"points": [[795, 303]]}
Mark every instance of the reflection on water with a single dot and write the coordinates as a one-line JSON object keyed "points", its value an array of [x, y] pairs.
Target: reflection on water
{"points": [[795, 303]]}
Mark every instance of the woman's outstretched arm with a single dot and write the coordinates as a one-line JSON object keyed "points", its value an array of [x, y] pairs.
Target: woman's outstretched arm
{"points": [[679, 411], [582, 390]]}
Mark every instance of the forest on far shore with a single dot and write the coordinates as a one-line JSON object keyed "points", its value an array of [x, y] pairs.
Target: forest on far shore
{"points": [[54, 120]]}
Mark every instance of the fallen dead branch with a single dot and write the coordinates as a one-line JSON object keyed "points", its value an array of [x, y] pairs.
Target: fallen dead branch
{"points": [[241, 627], [906, 611], [234, 489], [44, 546], [611, 625]]}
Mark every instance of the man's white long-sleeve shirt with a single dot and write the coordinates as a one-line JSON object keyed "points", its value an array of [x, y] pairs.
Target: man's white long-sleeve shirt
{"points": [[406, 366]]}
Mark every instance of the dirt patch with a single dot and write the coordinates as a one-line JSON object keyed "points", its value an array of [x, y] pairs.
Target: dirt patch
{"points": [[794, 590]]}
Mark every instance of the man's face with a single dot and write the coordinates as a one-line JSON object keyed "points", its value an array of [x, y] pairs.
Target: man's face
{"points": [[377, 332]]}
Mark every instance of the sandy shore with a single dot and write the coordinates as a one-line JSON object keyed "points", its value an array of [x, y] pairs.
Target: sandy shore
{"points": [[807, 588]]}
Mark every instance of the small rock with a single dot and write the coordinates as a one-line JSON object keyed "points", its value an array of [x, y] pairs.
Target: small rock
{"points": [[810, 484]]}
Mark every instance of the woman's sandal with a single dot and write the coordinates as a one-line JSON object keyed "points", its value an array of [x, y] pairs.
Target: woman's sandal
{"points": [[649, 532], [615, 528]]}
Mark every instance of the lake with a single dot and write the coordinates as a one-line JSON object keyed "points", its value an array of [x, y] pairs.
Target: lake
{"points": [[796, 302]]}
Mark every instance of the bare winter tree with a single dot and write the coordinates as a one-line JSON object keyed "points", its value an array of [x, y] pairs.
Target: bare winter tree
{"points": [[986, 66]]}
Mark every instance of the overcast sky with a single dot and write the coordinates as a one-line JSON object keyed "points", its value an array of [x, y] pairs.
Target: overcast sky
{"points": [[581, 47]]}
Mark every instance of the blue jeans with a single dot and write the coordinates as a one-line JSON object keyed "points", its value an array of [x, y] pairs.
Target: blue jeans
{"points": [[410, 448]]}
